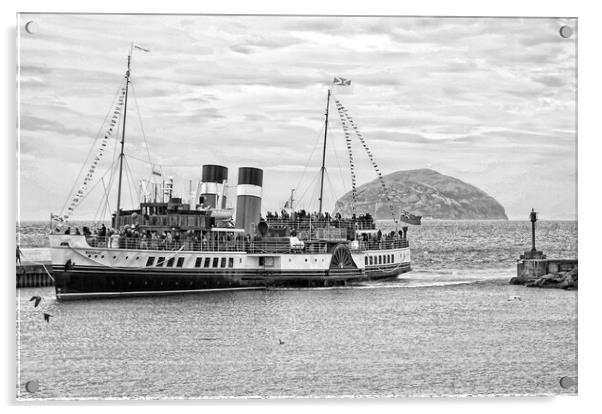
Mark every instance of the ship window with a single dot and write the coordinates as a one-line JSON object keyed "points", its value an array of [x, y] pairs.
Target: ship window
{"points": [[170, 262], [160, 261], [230, 262], [392, 259], [366, 259], [215, 261], [198, 262], [150, 261], [370, 259], [240, 260], [262, 261], [223, 263], [180, 262], [207, 262], [380, 260]]}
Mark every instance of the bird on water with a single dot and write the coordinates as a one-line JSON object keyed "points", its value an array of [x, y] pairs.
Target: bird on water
{"points": [[37, 300], [47, 317], [280, 341]]}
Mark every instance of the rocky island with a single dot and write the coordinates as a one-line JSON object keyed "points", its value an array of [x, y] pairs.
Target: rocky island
{"points": [[424, 192]]}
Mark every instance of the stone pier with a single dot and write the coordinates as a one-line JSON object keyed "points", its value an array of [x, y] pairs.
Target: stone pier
{"points": [[534, 269]]}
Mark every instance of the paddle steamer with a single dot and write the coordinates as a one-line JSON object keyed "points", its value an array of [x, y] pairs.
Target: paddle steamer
{"points": [[168, 246]]}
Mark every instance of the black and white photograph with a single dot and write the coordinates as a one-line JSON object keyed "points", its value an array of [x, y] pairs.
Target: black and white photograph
{"points": [[292, 206]]}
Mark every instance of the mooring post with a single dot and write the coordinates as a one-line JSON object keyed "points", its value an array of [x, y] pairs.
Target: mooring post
{"points": [[533, 217]]}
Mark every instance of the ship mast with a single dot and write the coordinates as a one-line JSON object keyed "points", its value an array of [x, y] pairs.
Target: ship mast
{"points": [[323, 169], [121, 155]]}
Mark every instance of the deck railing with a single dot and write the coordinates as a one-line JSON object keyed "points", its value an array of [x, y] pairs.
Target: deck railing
{"points": [[253, 247], [383, 244], [306, 223], [270, 246]]}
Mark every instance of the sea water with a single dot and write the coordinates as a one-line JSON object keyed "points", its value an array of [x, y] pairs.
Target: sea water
{"points": [[452, 326]]}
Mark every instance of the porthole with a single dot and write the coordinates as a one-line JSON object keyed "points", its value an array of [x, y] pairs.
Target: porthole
{"points": [[96, 256], [114, 257], [126, 257], [102, 257], [137, 257], [89, 255]]}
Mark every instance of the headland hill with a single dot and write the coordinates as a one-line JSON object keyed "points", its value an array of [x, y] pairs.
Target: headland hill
{"points": [[424, 192]]}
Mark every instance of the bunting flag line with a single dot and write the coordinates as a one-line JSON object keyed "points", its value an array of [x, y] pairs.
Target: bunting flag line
{"points": [[350, 153], [88, 176], [346, 118]]}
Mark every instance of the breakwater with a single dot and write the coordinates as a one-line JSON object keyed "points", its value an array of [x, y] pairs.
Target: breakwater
{"points": [[534, 269]]}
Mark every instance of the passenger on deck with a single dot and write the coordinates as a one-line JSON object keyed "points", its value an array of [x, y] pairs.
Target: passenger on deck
{"points": [[19, 254], [68, 231]]}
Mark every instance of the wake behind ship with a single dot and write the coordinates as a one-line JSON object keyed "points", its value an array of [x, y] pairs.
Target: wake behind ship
{"points": [[168, 245]]}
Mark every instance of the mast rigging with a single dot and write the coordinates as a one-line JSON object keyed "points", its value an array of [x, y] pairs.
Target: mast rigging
{"points": [[324, 152], [121, 155]]}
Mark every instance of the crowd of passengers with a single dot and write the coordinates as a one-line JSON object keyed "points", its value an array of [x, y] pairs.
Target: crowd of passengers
{"points": [[302, 215], [133, 238], [382, 240]]}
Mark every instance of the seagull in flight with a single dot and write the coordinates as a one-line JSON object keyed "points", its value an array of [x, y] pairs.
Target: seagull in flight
{"points": [[37, 300]]}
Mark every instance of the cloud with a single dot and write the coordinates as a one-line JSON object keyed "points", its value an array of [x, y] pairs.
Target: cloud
{"points": [[486, 99], [33, 123]]}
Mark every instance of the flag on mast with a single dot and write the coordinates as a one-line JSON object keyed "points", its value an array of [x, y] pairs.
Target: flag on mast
{"points": [[156, 170], [339, 81], [141, 48]]}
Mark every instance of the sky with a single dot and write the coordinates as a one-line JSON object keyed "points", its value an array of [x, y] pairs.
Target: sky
{"points": [[490, 101]]}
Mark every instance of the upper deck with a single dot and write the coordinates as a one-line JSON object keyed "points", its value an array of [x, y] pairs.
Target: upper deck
{"points": [[267, 246]]}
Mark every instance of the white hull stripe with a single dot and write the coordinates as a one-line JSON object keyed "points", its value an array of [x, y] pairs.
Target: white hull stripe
{"points": [[151, 292], [249, 190]]}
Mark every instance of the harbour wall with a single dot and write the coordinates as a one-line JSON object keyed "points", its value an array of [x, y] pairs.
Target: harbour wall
{"points": [[533, 268], [34, 275]]}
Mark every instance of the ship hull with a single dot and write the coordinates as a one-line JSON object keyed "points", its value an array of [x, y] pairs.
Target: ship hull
{"points": [[86, 283], [81, 271], [388, 272]]}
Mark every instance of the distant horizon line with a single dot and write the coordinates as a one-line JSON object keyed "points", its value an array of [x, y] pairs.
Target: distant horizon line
{"points": [[85, 220]]}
